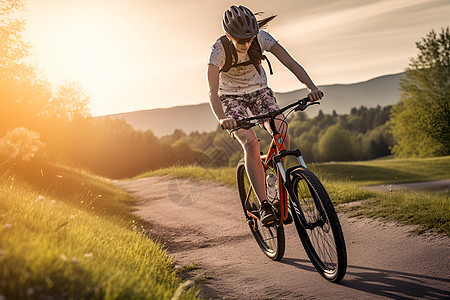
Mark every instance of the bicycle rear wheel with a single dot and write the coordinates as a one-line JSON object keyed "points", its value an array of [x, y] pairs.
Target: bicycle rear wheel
{"points": [[322, 236], [270, 239]]}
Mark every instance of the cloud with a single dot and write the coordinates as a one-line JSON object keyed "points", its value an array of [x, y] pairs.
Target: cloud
{"points": [[329, 21]]}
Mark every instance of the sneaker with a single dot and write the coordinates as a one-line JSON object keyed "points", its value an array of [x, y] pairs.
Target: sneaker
{"points": [[267, 214], [289, 219]]}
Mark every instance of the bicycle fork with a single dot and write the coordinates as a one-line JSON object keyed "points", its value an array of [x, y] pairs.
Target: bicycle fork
{"points": [[295, 203]]}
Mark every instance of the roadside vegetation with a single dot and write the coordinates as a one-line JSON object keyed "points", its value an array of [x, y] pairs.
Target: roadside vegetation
{"points": [[67, 234], [345, 183]]}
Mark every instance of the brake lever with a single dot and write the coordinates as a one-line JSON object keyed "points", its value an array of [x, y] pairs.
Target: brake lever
{"points": [[245, 125], [303, 107]]}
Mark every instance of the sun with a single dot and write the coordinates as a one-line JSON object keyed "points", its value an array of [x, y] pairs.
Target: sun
{"points": [[77, 47]]}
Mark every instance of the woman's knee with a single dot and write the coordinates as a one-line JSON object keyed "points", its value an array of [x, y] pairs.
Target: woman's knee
{"points": [[247, 139]]}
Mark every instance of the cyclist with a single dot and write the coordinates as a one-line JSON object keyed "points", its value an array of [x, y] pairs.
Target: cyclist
{"points": [[233, 90]]}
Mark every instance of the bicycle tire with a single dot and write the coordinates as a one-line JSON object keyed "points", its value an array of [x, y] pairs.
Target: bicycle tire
{"points": [[324, 247], [270, 239]]}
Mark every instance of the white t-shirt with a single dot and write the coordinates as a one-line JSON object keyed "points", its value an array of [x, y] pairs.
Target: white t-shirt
{"points": [[243, 79]]}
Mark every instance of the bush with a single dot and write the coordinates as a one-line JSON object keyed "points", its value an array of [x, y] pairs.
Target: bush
{"points": [[338, 144], [22, 144]]}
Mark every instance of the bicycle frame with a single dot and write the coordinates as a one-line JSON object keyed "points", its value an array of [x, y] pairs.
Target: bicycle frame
{"points": [[276, 153]]}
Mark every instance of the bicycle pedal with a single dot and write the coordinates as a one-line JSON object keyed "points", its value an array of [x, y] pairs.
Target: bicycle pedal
{"points": [[270, 224]]}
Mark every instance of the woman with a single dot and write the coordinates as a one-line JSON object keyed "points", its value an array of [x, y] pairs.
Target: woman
{"points": [[244, 85]]}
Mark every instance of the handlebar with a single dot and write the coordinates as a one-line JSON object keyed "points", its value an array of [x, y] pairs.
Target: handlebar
{"points": [[299, 105]]}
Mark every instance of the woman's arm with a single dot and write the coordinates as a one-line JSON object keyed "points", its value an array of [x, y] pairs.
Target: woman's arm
{"points": [[287, 60], [214, 101]]}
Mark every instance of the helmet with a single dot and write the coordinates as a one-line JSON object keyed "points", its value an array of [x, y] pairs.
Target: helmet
{"points": [[240, 23]]}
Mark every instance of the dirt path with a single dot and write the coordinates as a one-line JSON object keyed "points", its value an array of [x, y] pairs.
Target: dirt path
{"points": [[202, 224]]}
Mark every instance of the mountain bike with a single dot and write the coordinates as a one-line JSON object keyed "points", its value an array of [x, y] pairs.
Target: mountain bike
{"points": [[300, 197]]}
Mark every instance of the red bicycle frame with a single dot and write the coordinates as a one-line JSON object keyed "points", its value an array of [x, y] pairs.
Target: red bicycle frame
{"points": [[276, 146]]}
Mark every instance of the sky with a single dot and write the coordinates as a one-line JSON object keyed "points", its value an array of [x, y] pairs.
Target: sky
{"points": [[132, 55]]}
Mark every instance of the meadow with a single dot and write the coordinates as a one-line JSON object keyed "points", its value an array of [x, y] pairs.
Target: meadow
{"points": [[345, 183], [68, 234]]}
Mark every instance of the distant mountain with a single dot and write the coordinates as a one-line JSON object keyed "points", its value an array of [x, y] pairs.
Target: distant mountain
{"points": [[339, 97], [343, 97]]}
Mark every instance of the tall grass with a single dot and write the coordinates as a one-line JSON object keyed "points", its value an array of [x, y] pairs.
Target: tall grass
{"points": [[61, 240]]}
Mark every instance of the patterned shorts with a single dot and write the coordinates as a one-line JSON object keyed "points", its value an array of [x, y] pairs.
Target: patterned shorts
{"points": [[259, 102]]}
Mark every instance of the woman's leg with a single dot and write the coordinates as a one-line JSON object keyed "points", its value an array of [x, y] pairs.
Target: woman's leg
{"points": [[255, 169]]}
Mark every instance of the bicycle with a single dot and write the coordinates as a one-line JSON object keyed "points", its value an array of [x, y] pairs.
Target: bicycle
{"points": [[309, 205]]}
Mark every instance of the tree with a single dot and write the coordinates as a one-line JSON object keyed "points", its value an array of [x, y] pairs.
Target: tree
{"points": [[69, 102], [421, 121], [22, 92], [338, 144]]}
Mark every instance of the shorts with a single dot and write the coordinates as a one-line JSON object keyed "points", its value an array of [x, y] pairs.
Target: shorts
{"points": [[259, 102]]}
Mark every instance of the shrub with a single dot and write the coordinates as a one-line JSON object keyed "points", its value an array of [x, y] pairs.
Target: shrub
{"points": [[21, 144]]}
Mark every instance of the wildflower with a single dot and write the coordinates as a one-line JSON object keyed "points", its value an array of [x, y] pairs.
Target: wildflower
{"points": [[39, 198], [52, 202], [63, 257], [88, 255], [7, 226]]}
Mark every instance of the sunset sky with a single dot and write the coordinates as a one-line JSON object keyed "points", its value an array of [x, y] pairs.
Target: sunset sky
{"points": [[142, 54]]}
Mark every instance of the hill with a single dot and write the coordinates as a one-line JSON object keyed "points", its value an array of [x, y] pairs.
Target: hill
{"points": [[339, 97]]}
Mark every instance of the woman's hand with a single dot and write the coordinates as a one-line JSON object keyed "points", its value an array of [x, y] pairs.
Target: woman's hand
{"points": [[315, 95], [228, 123]]}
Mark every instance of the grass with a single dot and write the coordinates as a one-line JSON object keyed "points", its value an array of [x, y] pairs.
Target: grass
{"points": [[429, 210], [386, 171], [60, 239], [223, 175], [344, 182]]}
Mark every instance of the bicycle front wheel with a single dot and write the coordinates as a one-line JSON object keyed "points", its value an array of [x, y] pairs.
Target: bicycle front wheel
{"points": [[270, 239], [320, 232]]}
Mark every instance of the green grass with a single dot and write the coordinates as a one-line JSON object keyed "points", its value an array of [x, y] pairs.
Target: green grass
{"points": [[78, 188], [344, 182], [223, 175], [60, 240], [429, 210], [385, 171]]}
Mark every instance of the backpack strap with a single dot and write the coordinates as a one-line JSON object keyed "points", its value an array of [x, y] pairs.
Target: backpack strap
{"points": [[268, 63], [229, 60]]}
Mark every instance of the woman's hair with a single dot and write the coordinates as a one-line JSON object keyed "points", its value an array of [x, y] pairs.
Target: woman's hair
{"points": [[254, 52], [263, 22]]}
